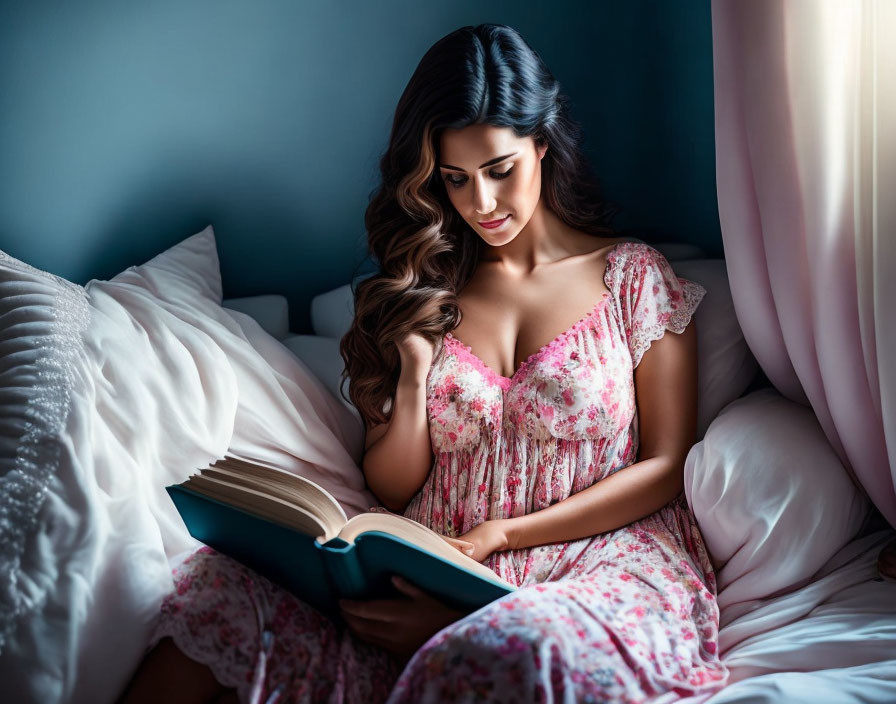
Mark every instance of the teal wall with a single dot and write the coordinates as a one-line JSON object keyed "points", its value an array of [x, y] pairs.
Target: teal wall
{"points": [[127, 126]]}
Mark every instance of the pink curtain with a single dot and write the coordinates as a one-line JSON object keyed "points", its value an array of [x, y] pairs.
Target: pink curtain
{"points": [[805, 122]]}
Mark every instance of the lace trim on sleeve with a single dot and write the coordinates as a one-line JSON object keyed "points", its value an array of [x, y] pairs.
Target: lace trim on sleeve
{"points": [[676, 321]]}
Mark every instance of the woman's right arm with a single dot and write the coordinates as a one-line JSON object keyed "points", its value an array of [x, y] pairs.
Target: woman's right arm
{"points": [[398, 454]]}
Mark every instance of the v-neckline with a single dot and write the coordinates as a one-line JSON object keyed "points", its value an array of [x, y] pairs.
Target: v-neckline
{"points": [[505, 382]]}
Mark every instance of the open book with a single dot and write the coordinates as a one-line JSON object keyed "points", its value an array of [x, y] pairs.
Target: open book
{"points": [[294, 532]]}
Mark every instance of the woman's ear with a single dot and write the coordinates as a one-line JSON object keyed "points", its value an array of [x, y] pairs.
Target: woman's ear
{"points": [[541, 146]]}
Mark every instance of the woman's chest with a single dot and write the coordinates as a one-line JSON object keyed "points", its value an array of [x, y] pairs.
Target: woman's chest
{"points": [[579, 386], [504, 319]]}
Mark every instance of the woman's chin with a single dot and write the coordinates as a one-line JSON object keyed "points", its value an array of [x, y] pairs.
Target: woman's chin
{"points": [[499, 236]]}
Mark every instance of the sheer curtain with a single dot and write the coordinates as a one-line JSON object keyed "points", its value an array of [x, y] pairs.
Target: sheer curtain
{"points": [[805, 122]]}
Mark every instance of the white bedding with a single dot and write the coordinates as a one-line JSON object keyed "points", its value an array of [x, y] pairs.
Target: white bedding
{"points": [[831, 641], [804, 615], [155, 380]]}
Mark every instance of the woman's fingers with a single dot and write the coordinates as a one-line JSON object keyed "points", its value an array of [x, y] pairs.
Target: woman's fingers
{"points": [[369, 627], [465, 546], [406, 587], [365, 630], [379, 633]]}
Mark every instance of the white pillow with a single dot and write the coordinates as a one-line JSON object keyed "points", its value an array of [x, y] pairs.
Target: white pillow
{"points": [[269, 311], [294, 421], [332, 312], [771, 497], [322, 356], [107, 394]]}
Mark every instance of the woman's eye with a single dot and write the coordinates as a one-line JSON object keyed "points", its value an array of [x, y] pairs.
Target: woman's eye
{"points": [[458, 182]]}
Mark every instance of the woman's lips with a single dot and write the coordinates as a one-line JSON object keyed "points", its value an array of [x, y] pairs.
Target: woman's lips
{"points": [[492, 224]]}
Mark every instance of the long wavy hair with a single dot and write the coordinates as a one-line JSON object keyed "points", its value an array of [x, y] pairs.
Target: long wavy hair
{"points": [[425, 251]]}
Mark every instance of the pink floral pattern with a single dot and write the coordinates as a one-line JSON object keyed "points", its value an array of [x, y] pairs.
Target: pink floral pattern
{"points": [[625, 616]]}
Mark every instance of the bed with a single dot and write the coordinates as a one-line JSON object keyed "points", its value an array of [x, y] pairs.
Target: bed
{"points": [[113, 390]]}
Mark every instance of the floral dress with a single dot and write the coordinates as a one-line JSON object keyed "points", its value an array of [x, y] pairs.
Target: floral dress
{"points": [[624, 616]]}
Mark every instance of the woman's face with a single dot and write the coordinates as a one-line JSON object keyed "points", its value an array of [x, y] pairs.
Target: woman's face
{"points": [[491, 174]]}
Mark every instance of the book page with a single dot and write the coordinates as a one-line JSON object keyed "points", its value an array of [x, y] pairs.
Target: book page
{"points": [[416, 534], [285, 485], [259, 503]]}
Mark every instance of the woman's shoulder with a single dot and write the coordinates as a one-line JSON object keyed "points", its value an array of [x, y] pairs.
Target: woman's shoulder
{"points": [[636, 256], [633, 245]]}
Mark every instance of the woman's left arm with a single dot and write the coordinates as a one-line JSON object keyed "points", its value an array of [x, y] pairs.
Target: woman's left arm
{"points": [[666, 394]]}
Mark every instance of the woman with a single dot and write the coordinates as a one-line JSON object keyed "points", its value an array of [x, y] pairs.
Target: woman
{"points": [[521, 399]]}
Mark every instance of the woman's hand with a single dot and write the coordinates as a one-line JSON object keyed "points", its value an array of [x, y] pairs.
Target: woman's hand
{"points": [[400, 625], [416, 353], [487, 537], [465, 546]]}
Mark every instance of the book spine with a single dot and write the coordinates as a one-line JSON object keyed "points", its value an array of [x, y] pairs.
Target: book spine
{"points": [[341, 560]]}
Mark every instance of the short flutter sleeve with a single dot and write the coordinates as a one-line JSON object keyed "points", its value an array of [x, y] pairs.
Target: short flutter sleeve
{"points": [[651, 297]]}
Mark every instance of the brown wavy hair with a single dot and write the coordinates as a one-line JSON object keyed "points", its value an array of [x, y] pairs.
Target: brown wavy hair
{"points": [[425, 251]]}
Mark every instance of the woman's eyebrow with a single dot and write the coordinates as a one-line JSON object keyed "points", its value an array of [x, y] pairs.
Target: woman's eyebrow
{"points": [[488, 163]]}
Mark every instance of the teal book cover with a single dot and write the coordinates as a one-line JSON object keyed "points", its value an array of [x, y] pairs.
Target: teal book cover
{"points": [[321, 573]]}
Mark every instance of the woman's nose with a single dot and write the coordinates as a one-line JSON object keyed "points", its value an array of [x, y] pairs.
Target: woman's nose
{"points": [[483, 199]]}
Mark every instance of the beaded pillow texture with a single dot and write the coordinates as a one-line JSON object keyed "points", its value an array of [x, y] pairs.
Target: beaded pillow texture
{"points": [[42, 318]]}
